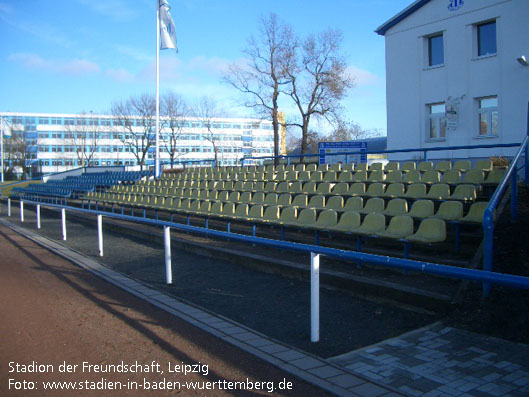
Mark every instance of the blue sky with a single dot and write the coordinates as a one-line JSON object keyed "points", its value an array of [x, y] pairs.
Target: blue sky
{"points": [[69, 56]]}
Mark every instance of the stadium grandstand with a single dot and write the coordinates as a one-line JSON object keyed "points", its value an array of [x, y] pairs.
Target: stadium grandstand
{"points": [[377, 208]]}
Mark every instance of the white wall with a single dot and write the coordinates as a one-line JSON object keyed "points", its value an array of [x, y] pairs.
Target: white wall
{"points": [[411, 84]]}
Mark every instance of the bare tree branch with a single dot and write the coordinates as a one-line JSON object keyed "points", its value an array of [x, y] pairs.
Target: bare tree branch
{"points": [[318, 80], [137, 116], [205, 112], [174, 111], [83, 138], [260, 80]]}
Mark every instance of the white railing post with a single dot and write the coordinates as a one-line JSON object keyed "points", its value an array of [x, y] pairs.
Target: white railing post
{"points": [[100, 233], [168, 266], [38, 216], [314, 297], [8, 207], [63, 213], [21, 211]]}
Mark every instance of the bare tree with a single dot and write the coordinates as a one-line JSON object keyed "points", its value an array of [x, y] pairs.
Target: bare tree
{"points": [[318, 80], [137, 115], [347, 131], [18, 153], [205, 112], [174, 111], [83, 138], [268, 57], [344, 131], [313, 138]]}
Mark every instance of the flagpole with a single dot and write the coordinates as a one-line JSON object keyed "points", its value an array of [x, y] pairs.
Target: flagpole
{"points": [[157, 152]]}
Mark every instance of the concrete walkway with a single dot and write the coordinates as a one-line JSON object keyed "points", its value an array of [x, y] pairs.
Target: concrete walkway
{"points": [[440, 361]]}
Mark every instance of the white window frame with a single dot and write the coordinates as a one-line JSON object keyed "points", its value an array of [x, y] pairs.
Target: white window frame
{"points": [[438, 119], [427, 40], [475, 39], [488, 112]]}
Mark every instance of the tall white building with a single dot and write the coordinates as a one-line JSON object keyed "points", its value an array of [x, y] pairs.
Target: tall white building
{"points": [[55, 142], [457, 74]]}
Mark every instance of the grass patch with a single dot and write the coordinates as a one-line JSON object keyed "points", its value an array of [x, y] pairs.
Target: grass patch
{"points": [[7, 186]]}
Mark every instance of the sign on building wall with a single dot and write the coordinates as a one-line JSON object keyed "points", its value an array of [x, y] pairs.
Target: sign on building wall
{"points": [[454, 5], [452, 107], [452, 115], [326, 150]]}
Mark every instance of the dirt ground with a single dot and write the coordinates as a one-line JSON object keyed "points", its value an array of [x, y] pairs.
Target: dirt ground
{"points": [[54, 313]]}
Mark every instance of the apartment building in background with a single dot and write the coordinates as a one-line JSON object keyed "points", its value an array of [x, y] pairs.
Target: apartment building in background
{"points": [[60, 142]]}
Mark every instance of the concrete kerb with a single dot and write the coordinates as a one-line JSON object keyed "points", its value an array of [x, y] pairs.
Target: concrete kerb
{"points": [[302, 365]]}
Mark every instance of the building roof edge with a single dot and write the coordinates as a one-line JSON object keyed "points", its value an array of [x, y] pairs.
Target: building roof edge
{"points": [[381, 30]]}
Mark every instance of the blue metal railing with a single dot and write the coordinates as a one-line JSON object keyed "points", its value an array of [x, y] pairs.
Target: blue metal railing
{"points": [[511, 177], [424, 150], [185, 162], [354, 256]]}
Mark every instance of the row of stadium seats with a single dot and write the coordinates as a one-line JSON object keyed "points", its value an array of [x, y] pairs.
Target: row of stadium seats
{"points": [[430, 230], [74, 186], [423, 166], [384, 200], [120, 175], [439, 191], [34, 191], [447, 210], [451, 177]]}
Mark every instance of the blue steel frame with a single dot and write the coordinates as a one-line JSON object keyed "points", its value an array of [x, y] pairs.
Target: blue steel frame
{"points": [[511, 176], [184, 162], [482, 276], [424, 150]]}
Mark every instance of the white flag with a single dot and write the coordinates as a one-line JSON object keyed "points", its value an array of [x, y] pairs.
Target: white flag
{"points": [[167, 28]]}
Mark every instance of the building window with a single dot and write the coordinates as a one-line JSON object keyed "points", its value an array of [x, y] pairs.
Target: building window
{"points": [[436, 121], [435, 50], [486, 38], [488, 116]]}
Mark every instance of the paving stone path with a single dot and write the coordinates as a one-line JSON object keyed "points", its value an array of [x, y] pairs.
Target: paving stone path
{"points": [[444, 361]]}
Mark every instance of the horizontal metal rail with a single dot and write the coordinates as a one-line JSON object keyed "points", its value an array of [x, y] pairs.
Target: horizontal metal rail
{"points": [[185, 162], [423, 149], [379, 260], [511, 176]]}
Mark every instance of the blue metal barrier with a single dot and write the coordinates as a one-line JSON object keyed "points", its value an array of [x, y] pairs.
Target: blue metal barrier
{"points": [[484, 276], [511, 176], [424, 150], [185, 162]]}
